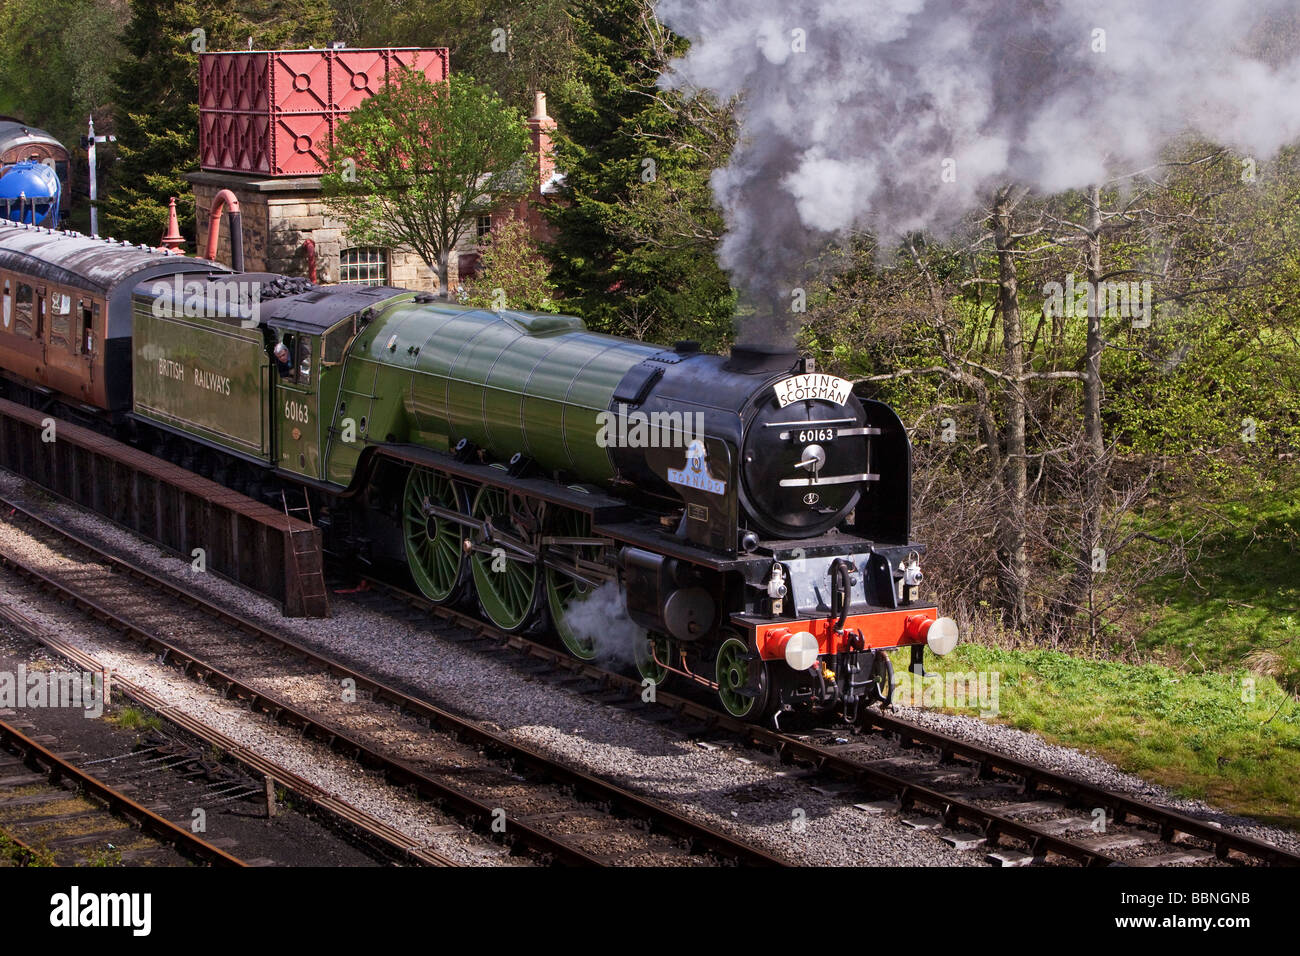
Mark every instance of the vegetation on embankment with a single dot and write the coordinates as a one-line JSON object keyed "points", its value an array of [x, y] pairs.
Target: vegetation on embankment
{"points": [[1197, 689]]}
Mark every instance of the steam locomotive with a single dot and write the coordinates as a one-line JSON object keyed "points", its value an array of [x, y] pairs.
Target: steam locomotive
{"points": [[749, 516]]}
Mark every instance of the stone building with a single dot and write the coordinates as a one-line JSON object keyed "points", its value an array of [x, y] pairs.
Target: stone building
{"points": [[287, 228], [280, 216]]}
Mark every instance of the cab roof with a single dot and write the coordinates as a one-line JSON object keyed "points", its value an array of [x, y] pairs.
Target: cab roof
{"points": [[283, 302]]}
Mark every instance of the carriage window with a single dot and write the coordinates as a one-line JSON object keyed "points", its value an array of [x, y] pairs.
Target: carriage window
{"points": [[88, 332], [336, 341], [23, 311], [9, 306], [85, 319], [61, 323], [41, 304]]}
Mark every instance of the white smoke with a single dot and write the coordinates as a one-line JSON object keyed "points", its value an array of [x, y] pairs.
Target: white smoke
{"points": [[601, 618], [900, 115]]}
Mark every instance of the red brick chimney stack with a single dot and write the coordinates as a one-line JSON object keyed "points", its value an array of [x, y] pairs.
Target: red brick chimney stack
{"points": [[541, 126]]}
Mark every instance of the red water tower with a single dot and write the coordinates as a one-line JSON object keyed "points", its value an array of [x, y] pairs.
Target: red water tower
{"points": [[274, 112]]}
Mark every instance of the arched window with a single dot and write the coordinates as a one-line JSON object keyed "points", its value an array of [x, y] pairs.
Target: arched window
{"points": [[363, 265]]}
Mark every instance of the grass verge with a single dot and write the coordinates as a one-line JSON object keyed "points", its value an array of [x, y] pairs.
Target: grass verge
{"points": [[1231, 737]]}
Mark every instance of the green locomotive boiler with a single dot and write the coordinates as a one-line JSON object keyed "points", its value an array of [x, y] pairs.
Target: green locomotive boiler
{"points": [[747, 517]]}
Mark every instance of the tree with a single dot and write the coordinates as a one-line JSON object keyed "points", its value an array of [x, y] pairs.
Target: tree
{"points": [[56, 61], [157, 96], [513, 47], [637, 228], [1051, 445], [417, 163], [513, 274]]}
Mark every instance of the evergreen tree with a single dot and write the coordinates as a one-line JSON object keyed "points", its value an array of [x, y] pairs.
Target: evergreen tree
{"points": [[513, 47], [157, 116], [75, 44], [637, 229]]}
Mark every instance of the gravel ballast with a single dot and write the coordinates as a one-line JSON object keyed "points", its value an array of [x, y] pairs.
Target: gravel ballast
{"points": [[752, 795]]}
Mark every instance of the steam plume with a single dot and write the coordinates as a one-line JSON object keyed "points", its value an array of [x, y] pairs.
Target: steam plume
{"points": [[898, 115]]}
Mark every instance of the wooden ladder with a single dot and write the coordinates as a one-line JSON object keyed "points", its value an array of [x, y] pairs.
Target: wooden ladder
{"points": [[308, 562]]}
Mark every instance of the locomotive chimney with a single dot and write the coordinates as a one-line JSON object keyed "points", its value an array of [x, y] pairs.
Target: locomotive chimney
{"points": [[756, 359]]}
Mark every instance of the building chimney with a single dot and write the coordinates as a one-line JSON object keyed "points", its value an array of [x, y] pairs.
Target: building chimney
{"points": [[541, 126]]}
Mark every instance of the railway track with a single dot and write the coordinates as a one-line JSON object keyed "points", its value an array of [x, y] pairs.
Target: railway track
{"points": [[981, 799], [55, 813], [558, 814], [382, 840], [976, 798]]}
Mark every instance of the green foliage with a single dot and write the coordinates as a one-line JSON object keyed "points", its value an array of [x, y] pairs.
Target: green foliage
{"points": [[105, 856], [157, 112], [416, 164], [1240, 604], [636, 232], [11, 854], [133, 718], [56, 60], [1229, 736], [513, 47], [513, 273]]}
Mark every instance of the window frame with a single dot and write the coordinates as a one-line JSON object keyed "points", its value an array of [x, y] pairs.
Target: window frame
{"points": [[23, 326], [365, 271], [347, 330], [64, 338]]}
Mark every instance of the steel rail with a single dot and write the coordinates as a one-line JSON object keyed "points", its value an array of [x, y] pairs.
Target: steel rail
{"points": [[406, 848], [661, 818], [1169, 822], [57, 769]]}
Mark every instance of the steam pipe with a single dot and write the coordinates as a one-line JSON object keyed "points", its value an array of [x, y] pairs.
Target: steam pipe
{"points": [[226, 199], [309, 246]]}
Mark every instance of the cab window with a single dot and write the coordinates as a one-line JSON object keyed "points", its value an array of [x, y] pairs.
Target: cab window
{"points": [[304, 359], [293, 358], [23, 311], [337, 340]]}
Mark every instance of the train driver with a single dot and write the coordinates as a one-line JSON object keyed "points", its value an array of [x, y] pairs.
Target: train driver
{"points": [[283, 360]]}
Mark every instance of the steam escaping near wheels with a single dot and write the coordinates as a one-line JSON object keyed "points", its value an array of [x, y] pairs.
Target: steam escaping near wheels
{"points": [[600, 620]]}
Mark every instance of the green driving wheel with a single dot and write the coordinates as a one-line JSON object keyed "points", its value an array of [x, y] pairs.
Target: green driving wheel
{"points": [[563, 592], [433, 548], [651, 667], [732, 675], [507, 587]]}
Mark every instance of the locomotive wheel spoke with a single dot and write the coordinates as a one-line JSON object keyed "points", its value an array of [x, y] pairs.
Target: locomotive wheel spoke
{"points": [[433, 549], [507, 588], [646, 664], [563, 591], [733, 675]]}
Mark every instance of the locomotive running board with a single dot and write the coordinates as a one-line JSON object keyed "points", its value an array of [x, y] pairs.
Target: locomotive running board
{"points": [[610, 516]]}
